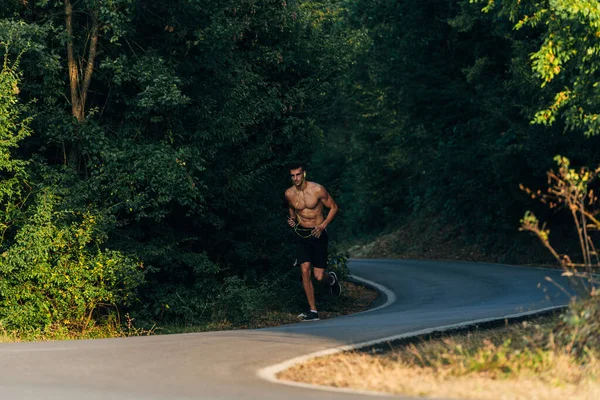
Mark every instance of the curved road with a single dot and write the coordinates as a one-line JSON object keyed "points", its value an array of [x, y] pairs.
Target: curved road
{"points": [[224, 365]]}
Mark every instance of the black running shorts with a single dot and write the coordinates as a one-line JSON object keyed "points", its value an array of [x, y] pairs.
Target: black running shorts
{"points": [[311, 249]]}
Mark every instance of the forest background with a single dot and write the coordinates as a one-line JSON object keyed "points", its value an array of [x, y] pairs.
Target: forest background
{"points": [[145, 145]]}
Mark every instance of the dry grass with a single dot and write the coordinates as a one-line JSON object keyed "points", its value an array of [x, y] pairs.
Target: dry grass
{"points": [[496, 364], [7, 337], [354, 298]]}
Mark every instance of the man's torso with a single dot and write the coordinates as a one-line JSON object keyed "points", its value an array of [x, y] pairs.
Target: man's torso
{"points": [[307, 204]]}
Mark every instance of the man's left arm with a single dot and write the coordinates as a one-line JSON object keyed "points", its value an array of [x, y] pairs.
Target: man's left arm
{"points": [[328, 202]]}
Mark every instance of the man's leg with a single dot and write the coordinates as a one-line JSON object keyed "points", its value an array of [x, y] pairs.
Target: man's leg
{"points": [[320, 263], [329, 279], [308, 285], [322, 277]]}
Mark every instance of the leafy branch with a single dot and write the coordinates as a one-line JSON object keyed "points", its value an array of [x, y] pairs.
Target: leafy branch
{"points": [[569, 189]]}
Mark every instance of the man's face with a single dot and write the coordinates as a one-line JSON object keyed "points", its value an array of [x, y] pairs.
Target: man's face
{"points": [[297, 176]]}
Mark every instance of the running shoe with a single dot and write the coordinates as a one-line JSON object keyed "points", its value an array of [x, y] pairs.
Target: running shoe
{"points": [[336, 288], [310, 316]]}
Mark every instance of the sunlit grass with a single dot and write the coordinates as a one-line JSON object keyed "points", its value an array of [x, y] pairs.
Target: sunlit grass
{"points": [[60, 334], [355, 298], [520, 361]]}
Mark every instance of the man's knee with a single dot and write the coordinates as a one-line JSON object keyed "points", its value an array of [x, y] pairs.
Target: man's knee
{"points": [[305, 268]]}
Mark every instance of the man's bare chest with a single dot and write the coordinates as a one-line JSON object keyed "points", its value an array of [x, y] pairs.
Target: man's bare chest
{"points": [[302, 200]]}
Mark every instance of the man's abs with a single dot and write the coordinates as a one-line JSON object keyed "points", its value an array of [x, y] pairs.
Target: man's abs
{"points": [[310, 218]]}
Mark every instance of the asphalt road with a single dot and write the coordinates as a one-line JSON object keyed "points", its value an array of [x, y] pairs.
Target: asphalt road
{"points": [[224, 365]]}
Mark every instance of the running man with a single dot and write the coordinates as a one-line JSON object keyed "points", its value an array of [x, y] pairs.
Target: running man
{"points": [[307, 202]]}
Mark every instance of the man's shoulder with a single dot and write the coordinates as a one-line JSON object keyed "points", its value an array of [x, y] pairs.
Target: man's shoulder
{"points": [[315, 187], [288, 191]]}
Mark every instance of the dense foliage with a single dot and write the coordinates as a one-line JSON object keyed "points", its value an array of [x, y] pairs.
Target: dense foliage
{"points": [[144, 145], [161, 136], [440, 109]]}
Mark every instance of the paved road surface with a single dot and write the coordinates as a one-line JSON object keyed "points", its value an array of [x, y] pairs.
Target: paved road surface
{"points": [[224, 365]]}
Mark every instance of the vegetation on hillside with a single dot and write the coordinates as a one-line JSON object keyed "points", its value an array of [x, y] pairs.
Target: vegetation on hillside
{"points": [[145, 144], [481, 104]]}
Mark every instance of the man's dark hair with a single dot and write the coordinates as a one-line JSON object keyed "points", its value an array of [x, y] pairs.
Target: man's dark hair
{"points": [[296, 165]]}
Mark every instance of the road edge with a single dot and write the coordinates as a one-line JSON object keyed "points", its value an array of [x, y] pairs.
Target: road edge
{"points": [[390, 297], [270, 373]]}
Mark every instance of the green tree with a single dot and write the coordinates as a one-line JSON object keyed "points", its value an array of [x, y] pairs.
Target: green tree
{"points": [[175, 125], [53, 272], [13, 129], [433, 123], [566, 62]]}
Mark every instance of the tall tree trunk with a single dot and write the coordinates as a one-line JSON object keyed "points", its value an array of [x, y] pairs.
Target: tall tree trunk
{"points": [[79, 82], [76, 105], [89, 68]]}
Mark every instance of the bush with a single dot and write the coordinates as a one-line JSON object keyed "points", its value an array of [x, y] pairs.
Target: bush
{"points": [[578, 328], [54, 272], [238, 301], [338, 262]]}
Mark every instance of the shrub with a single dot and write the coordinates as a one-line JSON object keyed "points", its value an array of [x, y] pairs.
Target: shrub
{"points": [[238, 301], [578, 328], [54, 273]]}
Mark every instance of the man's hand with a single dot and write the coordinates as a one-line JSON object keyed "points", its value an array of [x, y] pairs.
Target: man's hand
{"points": [[291, 222], [317, 230]]}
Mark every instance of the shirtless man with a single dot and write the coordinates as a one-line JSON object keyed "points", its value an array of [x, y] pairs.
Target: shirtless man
{"points": [[307, 201]]}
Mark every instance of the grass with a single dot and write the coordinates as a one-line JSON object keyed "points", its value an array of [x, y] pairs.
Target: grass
{"points": [[110, 328], [544, 358], [354, 298], [99, 332]]}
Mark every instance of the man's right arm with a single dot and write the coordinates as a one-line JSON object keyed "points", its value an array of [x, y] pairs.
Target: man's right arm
{"points": [[291, 212]]}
